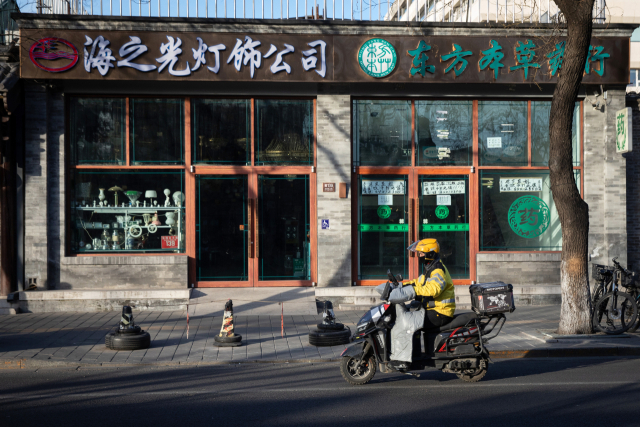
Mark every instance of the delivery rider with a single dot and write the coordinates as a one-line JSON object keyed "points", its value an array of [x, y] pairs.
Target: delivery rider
{"points": [[434, 287]]}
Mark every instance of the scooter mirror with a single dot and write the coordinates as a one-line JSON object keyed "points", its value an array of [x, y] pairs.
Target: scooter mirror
{"points": [[399, 276]]}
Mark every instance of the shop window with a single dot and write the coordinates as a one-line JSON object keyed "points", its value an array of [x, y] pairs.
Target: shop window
{"points": [[517, 212], [120, 211], [284, 132], [540, 133], [503, 133], [382, 133], [97, 131], [157, 131], [383, 226], [444, 133], [221, 131]]}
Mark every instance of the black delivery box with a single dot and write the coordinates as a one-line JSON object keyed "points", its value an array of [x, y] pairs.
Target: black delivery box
{"points": [[492, 298]]}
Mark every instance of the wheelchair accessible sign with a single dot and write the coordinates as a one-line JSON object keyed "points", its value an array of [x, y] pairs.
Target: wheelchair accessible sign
{"points": [[325, 224]]}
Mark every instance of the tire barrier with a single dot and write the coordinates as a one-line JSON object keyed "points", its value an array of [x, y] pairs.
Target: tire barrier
{"points": [[329, 332], [227, 337], [127, 335]]}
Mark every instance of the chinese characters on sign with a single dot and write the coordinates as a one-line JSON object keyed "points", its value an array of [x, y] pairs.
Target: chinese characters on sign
{"points": [[529, 216], [246, 53], [518, 185], [624, 130], [308, 57], [383, 187], [443, 187]]}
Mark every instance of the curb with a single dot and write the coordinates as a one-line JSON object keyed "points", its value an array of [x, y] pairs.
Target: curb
{"points": [[8, 364]]}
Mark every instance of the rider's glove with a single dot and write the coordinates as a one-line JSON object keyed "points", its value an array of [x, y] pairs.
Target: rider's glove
{"points": [[402, 294]]}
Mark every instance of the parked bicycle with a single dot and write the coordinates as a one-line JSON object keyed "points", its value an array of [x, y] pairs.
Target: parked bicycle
{"points": [[614, 312]]}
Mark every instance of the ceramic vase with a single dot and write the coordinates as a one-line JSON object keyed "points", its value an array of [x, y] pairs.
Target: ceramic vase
{"points": [[171, 218], [101, 197]]}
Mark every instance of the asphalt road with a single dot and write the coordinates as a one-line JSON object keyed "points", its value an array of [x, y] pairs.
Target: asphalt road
{"points": [[533, 392]]}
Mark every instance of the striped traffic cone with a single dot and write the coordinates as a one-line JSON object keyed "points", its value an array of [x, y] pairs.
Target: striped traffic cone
{"points": [[227, 337]]}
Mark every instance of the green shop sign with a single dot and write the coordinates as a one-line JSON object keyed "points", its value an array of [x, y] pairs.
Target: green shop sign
{"points": [[384, 211], [624, 130], [529, 216], [377, 58], [405, 227]]}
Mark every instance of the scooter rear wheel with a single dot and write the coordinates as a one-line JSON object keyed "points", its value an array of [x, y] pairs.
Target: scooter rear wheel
{"points": [[360, 375], [474, 375]]}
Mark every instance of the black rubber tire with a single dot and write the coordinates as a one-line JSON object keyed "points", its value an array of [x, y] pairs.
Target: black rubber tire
{"points": [[127, 342], [134, 330], [330, 327], [628, 314], [475, 375], [233, 339], [366, 372], [329, 338]]}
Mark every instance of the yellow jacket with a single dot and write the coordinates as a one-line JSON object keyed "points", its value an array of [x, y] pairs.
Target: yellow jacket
{"points": [[436, 292]]}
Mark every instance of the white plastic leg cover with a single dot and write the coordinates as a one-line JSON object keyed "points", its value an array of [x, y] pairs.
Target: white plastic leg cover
{"points": [[407, 322], [402, 294], [380, 288]]}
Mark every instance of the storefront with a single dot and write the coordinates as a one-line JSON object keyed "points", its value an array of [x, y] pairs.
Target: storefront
{"points": [[169, 155]]}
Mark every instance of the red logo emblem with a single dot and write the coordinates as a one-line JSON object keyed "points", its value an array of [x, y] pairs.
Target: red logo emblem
{"points": [[169, 242], [53, 51]]}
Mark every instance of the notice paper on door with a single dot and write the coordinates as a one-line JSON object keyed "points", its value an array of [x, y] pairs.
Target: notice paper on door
{"points": [[443, 200], [385, 199], [430, 188]]}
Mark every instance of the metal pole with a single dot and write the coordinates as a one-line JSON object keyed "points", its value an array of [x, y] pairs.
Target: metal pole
{"points": [[234, 9]]}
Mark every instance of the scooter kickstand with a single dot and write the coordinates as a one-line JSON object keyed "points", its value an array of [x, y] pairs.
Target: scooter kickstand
{"points": [[412, 374]]}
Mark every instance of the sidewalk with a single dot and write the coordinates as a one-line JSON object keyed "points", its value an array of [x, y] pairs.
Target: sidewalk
{"points": [[77, 339]]}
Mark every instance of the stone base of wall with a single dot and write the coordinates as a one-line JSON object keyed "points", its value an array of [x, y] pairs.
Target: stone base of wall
{"points": [[519, 269]]}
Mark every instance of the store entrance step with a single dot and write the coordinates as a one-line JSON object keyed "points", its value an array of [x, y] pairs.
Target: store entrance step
{"points": [[364, 297]]}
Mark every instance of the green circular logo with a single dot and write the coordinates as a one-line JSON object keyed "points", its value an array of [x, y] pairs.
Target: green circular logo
{"points": [[529, 216], [442, 212], [384, 211], [377, 58]]}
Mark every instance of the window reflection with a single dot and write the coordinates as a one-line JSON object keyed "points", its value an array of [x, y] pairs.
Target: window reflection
{"points": [[540, 133], [97, 130], [444, 132], [503, 133], [157, 131], [382, 133], [284, 132], [221, 131]]}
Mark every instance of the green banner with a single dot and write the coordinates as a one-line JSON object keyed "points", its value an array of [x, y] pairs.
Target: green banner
{"points": [[403, 228], [444, 227], [385, 227]]}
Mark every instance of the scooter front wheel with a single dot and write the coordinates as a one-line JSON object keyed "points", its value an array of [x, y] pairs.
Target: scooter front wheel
{"points": [[360, 374]]}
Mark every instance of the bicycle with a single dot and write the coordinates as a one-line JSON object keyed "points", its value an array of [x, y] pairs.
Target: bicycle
{"points": [[614, 312]]}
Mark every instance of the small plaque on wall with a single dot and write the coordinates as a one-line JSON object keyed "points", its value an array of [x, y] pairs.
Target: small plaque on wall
{"points": [[329, 187]]}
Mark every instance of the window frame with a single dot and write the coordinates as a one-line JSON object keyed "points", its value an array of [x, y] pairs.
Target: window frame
{"points": [[474, 173]]}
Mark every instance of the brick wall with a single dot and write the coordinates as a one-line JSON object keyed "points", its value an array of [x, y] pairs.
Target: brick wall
{"points": [[334, 166]]}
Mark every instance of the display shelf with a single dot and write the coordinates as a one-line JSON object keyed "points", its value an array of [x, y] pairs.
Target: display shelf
{"points": [[113, 210]]}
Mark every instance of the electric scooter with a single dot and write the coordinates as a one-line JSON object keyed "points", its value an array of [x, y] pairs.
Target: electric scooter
{"points": [[457, 347]]}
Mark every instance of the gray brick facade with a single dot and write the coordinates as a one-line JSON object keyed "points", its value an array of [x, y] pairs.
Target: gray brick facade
{"points": [[45, 258], [334, 166]]}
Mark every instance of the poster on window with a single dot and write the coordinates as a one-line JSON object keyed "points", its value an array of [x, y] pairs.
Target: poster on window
{"points": [[520, 185], [383, 187], [430, 188]]}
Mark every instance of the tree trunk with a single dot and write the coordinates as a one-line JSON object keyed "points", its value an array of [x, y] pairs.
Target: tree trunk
{"points": [[575, 316]]}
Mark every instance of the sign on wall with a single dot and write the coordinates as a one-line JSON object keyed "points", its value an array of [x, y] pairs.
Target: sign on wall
{"points": [[206, 56], [624, 130], [519, 185]]}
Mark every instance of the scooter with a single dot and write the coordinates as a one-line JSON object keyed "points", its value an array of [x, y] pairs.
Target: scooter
{"points": [[457, 347]]}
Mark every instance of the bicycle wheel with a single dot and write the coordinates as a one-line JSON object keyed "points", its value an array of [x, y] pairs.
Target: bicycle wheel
{"points": [[614, 313], [636, 324]]}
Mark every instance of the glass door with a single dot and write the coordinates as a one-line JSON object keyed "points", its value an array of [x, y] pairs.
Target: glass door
{"points": [[283, 228], [443, 214], [222, 228], [383, 226]]}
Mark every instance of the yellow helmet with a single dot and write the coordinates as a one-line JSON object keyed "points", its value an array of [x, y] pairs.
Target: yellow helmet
{"points": [[429, 247]]}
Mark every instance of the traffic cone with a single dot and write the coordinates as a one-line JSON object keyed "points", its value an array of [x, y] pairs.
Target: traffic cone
{"points": [[227, 337]]}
